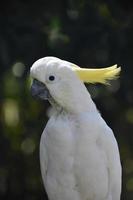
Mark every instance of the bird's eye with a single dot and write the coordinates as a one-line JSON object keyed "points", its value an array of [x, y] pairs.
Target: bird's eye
{"points": [[51, 78]]}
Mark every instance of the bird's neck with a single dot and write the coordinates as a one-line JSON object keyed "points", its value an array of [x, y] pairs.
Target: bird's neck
{"points": [[78, 104], [84, 103]]}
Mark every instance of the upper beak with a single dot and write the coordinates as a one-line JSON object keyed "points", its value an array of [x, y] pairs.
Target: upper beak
{"points": [[39, 90]]}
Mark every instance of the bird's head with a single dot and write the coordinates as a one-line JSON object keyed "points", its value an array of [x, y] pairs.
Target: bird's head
{"points": [[61, 82]]}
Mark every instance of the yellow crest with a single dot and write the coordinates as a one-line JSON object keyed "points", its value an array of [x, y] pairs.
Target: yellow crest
{"points": [[101, 75]]}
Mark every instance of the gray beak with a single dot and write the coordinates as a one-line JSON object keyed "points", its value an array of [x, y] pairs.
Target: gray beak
{"points": [[39, 90]]}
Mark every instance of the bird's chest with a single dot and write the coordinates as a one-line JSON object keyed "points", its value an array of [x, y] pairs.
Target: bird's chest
{"points": [[75, 164], [59, 139], [59, 150]]}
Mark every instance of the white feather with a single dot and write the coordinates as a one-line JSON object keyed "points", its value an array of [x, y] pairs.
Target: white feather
{"points": [[79, 155]]}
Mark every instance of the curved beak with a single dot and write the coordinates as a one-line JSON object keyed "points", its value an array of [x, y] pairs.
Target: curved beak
{"points": [[39, 90]]}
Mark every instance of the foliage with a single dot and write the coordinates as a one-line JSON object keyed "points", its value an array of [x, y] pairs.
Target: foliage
{"points": [[88, 33]]}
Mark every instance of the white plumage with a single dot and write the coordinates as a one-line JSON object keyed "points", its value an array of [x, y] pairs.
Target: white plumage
{"points": [[79, 155]]}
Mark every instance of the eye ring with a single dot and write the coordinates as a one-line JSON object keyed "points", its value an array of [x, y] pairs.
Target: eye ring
{"points": [[51, 78]]}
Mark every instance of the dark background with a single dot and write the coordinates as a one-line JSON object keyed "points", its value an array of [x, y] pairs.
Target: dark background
{"points": [[88, 33]]}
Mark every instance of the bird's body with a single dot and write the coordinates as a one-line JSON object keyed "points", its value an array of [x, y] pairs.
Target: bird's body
{"points": [[79, 155], [75, 163]]}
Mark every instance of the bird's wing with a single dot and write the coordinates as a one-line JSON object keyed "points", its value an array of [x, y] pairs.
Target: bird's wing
{"points": [[99, 159], [110, 147]]}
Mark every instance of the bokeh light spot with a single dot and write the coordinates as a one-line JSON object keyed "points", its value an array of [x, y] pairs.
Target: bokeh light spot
{"points": [[11, 112], [28, 146], [18, 69]]}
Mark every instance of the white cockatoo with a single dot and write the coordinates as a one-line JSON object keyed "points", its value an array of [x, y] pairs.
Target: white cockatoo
{"points": [[79, 155]]}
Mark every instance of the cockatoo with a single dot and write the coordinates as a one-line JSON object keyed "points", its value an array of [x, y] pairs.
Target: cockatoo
{"points": [[79, 155]]}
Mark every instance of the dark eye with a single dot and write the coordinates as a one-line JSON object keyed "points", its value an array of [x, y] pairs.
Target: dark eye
{"points": [[51, 78]]}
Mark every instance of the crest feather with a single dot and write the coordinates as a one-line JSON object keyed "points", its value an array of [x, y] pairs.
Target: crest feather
{"points": [[102, 75]]}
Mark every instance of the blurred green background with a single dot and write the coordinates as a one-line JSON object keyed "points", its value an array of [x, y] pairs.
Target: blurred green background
{"points": [[88, 33]]}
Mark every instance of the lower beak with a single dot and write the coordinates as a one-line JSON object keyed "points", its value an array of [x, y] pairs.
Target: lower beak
{"points": [[39, 90]]}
